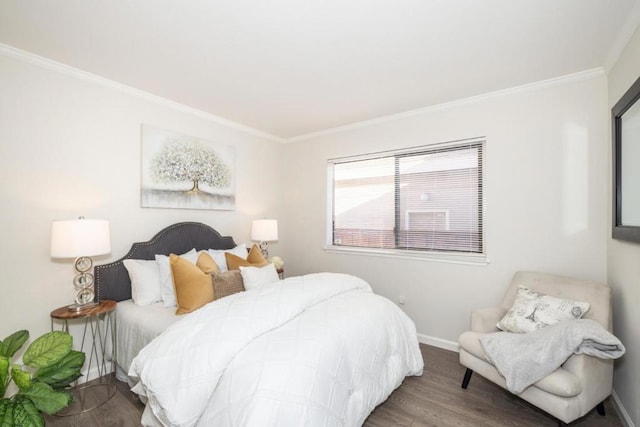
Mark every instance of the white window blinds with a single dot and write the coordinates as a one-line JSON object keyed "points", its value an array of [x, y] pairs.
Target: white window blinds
{"points": [[428, 199]]}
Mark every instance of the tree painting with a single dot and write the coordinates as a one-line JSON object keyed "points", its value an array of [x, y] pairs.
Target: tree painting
{"points": [[186, 172], [188, 161]]}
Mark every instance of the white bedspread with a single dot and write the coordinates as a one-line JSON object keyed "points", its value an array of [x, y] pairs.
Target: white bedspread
{"points": [[320, 349]]}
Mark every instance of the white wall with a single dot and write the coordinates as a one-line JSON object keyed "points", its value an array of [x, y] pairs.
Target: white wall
{"points": [[623, 260], [546, 197], [70, 146]]}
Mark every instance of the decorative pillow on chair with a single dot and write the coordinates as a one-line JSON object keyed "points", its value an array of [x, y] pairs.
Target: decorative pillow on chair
{"points": [[227, 283], [533, 310], [145, 281], [254, 259], [258, 276], [194, 287]]}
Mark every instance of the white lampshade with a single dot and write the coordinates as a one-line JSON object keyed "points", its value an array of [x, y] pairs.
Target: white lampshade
{"points": [[80, 237], [264, 230]]}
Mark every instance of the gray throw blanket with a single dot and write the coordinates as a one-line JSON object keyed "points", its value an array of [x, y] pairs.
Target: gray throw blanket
{"points": [[523, 359]]}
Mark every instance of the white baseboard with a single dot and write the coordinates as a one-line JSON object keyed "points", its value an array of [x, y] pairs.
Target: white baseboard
{"points": [[438, 342], [622, 412]]}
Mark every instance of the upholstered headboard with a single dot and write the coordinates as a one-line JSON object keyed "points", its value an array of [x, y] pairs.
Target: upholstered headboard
{"points": [[112, 280]]}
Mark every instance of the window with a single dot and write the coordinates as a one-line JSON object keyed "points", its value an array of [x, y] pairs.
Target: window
{"points": [[425, 199]]}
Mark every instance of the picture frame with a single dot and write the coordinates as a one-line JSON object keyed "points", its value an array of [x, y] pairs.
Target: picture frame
{"points": [[185, 172]]}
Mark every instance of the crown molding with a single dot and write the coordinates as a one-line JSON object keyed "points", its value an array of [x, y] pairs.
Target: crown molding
{"points": [[543, 84], [76, 73], [49, 64]]}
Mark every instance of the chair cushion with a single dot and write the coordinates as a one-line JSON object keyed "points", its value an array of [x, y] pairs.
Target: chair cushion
{"points": [[560, 382], [470, 341]]}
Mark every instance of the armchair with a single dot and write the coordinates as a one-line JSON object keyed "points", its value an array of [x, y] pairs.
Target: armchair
{"points": [[582, 382]]}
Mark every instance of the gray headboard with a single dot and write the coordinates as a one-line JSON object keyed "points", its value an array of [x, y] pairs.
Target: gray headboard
{"points": [[112, 280]]}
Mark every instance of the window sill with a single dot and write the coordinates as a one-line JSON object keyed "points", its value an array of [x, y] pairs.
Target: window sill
{"points": [[446, 257]]}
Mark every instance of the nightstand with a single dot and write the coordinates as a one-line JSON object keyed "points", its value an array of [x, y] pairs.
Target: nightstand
{"points": [[99, 336]]}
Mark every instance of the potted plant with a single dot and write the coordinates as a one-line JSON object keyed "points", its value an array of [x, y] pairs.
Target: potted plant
{"points": [[49, 365]]}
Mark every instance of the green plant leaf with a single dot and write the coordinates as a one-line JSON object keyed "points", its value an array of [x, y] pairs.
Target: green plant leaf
{"points": [[45, 398], [48, 349], [4, 374], [25, 414], [69, 393], [6, 413], [12, 343], [62, 373], [21, 377]]}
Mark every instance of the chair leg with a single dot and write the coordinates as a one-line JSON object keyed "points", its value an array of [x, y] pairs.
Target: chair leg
{"points": [[467, 377]]}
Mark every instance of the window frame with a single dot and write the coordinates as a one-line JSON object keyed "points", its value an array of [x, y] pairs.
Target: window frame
{"points": [[474, 258]]}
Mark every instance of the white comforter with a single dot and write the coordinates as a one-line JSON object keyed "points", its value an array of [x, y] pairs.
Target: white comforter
{"points": [[315, 350]]}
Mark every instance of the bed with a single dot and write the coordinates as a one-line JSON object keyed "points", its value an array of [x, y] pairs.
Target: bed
{"points": [[319, 349]]}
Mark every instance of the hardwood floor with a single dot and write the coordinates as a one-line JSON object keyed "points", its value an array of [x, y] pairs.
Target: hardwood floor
{"points": [[434, 399], [122, 410]]}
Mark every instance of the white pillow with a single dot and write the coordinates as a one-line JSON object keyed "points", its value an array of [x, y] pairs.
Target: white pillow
{"points": [[145, 281], [221, 261], [533, 310], [252, 277], [166, 279]]}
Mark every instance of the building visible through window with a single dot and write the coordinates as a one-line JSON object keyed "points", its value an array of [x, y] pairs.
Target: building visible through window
{"points": [[428, 198]]}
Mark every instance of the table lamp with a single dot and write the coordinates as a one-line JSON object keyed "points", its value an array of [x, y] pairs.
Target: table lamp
{"points": [[264, 231], [80, 239]]}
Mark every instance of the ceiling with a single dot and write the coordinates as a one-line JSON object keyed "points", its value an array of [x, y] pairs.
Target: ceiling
{"points": [[289, 68]]}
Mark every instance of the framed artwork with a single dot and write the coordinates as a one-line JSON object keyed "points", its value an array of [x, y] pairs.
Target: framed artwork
{"points": [[185, 172]]}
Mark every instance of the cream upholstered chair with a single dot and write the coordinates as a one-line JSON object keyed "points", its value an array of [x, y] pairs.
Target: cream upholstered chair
{"points": [[582, 382]]}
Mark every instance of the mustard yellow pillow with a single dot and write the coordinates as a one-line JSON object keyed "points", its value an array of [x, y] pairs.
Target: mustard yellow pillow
{"points": [[207, 264], [193, 286], [254, 259]]}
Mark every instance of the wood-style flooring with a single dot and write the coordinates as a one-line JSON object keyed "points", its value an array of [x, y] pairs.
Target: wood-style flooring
{"points": [[434, 399]]}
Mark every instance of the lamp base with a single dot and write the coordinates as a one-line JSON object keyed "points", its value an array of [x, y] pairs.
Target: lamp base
{"points": [[79, 307], [264, 248]]}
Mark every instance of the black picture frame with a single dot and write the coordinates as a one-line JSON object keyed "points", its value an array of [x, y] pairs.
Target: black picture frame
{"points": [[620, 231]]}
